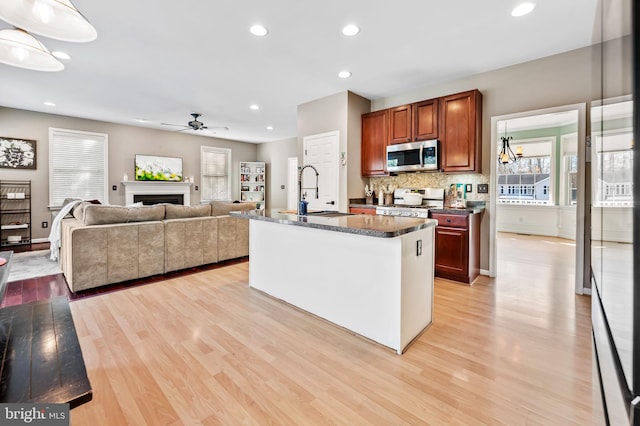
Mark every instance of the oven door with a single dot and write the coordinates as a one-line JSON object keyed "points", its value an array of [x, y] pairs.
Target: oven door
{"points": [[404, 157]]}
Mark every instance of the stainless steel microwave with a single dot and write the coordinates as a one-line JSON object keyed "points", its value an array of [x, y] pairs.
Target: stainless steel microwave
{"points": [[413, 156]]}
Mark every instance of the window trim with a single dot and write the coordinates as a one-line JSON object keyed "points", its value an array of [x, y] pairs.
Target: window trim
{"points": [[52, 131], [229, 154], [595, 164]]}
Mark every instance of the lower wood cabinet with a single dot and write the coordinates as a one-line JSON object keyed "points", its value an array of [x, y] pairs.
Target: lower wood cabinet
{"points": [[457, 254], [362, 210]]}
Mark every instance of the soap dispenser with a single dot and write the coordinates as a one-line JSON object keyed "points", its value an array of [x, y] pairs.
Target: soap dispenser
{"points": [[302, 207]]}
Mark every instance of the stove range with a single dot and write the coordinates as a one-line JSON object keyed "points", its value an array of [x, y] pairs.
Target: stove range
{"points": [[432, 198]]}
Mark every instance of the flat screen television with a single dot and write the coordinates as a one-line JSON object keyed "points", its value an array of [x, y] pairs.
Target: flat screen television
{"points": [[156, 168]]}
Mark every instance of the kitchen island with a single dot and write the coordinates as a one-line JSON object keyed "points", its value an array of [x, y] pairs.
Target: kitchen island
{"points": [[372, 275]]}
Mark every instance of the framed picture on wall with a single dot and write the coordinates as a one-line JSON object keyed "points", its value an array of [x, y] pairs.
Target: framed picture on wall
{"points": [[17, 153]]}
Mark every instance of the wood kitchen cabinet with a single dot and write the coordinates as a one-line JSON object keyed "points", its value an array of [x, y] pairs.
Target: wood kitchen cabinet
{"points": [[461, 132], [375, 134], [425, 120], [400, 124], [457, 249], [362, 210]]}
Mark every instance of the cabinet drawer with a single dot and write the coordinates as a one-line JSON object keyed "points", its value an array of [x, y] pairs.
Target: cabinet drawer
{"points": [[452, 220], [362, 210]]}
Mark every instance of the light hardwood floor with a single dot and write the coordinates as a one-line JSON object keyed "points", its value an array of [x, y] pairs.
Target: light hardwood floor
{"points": [[206, 349]]}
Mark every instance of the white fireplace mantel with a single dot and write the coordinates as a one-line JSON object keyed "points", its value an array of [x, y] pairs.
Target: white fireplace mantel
{"points": [[132, 188]]}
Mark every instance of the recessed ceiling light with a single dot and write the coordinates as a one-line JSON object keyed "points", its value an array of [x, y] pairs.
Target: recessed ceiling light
{"points": [[350, 30], [344, 74], [269, 127], [61, 55], [259, 30], [523, 9], [254, 107], [48, 103], [141, 120]]}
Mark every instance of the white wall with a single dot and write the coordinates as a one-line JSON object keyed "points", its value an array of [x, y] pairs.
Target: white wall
{"points": [[275, 154], [552, 221]]}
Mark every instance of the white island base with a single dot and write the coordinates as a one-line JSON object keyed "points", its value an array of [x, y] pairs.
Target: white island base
{"points": [[380, 288]]}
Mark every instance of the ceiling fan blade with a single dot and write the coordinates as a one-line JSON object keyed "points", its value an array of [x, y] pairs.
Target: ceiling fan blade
{"points": [[169, 124], [218, 127]]}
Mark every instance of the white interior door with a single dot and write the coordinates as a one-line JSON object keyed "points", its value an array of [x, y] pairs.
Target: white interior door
{"points": [[321, 151]]}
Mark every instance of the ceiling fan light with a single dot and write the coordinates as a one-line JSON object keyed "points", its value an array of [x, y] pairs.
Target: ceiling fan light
{"points": [[58, 19], [20, 49]]}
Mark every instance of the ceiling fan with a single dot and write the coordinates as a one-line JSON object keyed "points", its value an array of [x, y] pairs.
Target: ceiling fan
{"points": [[195, 124]]}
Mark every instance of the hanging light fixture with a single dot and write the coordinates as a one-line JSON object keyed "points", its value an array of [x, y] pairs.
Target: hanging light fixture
{"points": [[506, 155], [58, 19], [21, 49]]}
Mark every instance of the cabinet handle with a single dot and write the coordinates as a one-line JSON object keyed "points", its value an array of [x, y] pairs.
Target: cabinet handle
{"points": [[449, 220]]}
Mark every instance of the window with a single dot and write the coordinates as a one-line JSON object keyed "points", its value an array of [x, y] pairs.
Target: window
{"points": [[216, 173], [571, 162], [615, 183], [612, 154], [529, 180], [77, 166]]}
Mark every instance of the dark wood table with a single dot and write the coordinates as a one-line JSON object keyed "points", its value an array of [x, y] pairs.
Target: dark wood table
{"points": [[41, 357]]}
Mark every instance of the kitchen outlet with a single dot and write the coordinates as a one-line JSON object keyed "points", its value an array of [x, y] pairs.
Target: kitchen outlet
{"points": [[469, 188], [45, 224], [196, 187], [483, 188], [419, 248], [114, 187]]}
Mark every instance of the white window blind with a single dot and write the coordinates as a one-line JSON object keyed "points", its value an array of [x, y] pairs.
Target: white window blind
{"points": [[77, 166], [215, 173]]}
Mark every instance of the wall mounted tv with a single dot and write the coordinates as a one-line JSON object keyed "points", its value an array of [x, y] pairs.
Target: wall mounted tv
{"points": [[153, 167]]}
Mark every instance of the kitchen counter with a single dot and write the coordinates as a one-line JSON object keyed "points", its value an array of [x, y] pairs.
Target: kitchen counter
{"points": [[372, 275], [372, 226], [456, 210]]}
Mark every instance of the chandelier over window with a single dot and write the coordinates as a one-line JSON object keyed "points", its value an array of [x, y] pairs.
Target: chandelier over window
{"points": [[506, 155]]}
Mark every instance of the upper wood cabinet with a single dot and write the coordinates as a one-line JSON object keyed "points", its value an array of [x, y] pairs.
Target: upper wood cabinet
{"points": [[400, 124], [461, 132], [425, 120], [375, 134]]}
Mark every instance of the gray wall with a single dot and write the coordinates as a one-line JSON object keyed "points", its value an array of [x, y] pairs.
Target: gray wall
{"points": [[124, 143], [275, 154], [564, 79], [342, 112]]}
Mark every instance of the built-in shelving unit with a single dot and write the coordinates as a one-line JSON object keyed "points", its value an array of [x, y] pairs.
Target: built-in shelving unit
{"points": [[15, 212], [252, 182]]}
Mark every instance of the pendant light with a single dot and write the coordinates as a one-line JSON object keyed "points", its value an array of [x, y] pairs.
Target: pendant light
{"points": [[57, 19], [21, 49], [506, 155]]}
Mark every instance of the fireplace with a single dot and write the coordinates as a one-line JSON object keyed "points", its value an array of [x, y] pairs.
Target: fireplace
{"points": [[149, 199], [157, 192]]}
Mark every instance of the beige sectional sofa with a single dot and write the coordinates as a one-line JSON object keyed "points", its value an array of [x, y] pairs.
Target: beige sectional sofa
{"points": [[102, 244]]}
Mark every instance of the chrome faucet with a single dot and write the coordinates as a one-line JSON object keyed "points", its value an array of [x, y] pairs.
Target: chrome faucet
{"points": [[300, 184]]}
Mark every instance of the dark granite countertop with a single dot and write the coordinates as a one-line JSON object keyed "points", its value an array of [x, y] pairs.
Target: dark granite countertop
{"points": [[368, 225], [463, 211]]}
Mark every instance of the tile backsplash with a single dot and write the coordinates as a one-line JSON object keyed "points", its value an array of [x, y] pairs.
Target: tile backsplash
{"points": [[433, 180]]}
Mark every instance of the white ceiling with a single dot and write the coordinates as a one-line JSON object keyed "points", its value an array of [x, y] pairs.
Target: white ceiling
{"points": [[161, 60]]}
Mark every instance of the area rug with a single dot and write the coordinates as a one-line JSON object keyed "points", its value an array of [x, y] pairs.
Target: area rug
{"points": [[32, 264]]}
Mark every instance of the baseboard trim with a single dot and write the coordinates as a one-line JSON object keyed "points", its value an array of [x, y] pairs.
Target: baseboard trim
{"points": [[485, 272], [39, 240]]}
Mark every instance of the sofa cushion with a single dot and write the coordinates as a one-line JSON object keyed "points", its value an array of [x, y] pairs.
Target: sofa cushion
{"points": [[101, 215], [222, 208], [176, 211]]}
